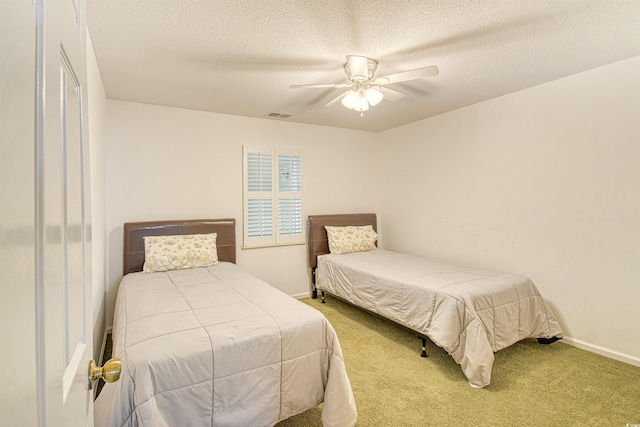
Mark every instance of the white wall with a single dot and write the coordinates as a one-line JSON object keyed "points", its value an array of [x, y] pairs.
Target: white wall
{"points": [[167, 163], [544, 182]]}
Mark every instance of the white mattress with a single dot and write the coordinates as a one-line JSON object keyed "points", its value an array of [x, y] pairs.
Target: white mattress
{"points": [[469, 312], [219, 347]]}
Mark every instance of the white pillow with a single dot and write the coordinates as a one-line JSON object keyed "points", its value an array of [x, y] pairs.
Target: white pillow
{"points": [[344, 240], [163, 253]]}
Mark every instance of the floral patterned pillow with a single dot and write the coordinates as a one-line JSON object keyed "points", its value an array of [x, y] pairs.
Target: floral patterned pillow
{"points": [[163, 253], [344, 240]]}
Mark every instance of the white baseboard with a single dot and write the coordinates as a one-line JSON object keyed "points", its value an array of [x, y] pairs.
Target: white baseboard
{"points": [[302, 295], [611, 354]]}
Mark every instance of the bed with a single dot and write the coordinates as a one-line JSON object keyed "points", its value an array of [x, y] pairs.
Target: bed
{"points": [[214, 345], [470, 313]]}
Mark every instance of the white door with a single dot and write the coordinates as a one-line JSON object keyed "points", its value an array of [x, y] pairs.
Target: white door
{"points": [[17, 215], [45, 216]]}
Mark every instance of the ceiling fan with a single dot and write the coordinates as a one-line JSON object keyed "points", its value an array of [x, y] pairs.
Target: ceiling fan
{"points": [[365, 90]]}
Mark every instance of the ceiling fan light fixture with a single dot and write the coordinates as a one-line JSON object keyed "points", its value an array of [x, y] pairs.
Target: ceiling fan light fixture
{"points": [[356, 100], [374, 96], [365, 91], [350, 99], [362, 104]]}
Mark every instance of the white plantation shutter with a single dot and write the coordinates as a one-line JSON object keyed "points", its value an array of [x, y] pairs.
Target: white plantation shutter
{"points": [[289, 196], [273, 212], [290, 217], [259, 202], [260, 218]]}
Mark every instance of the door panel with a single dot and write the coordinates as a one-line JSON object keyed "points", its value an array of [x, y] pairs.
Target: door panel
{"points": [[45, 232], [73, 266]]}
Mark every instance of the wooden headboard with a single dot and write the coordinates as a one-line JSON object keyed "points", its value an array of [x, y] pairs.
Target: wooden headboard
{"points": [[318, 243], [135, 231]]}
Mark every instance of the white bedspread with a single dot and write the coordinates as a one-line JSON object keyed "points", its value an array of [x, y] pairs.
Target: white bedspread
{"points": [[219, 347], [468, 312]]}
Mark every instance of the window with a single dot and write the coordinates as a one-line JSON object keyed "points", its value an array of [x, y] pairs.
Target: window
{"points": [[272, 185]]}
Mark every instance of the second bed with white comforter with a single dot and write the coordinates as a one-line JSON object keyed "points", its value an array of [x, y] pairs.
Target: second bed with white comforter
{"points": [[470, 313]]}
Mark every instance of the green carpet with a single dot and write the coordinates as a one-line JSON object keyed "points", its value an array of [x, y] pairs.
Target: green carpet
{"points": [[531, 385]]}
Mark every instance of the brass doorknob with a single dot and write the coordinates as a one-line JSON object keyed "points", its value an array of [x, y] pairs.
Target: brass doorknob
{"points": [[110, 372]]}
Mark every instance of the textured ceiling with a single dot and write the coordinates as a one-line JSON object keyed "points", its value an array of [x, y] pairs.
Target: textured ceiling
{"points": [[240, 57]]}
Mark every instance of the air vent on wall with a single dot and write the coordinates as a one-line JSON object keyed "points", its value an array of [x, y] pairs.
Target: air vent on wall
{"points": [[279, 115]]}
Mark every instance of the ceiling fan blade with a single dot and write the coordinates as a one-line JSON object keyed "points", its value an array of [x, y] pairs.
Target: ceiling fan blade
{"points": [[320, 86], [392, 95], [335, 100], [404, 76]]}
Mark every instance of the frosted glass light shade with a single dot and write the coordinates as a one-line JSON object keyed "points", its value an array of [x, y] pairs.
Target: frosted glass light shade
{"points": [[350, 99], [374, 96]]}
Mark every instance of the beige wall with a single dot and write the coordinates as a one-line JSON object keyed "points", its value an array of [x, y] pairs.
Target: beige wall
{"points": [[544, 182], [167, 163]]}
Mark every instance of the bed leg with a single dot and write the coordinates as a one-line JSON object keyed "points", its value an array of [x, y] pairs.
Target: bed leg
{"points": [[314, 294], [322, 293], [548, 340], [424, 348]]}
